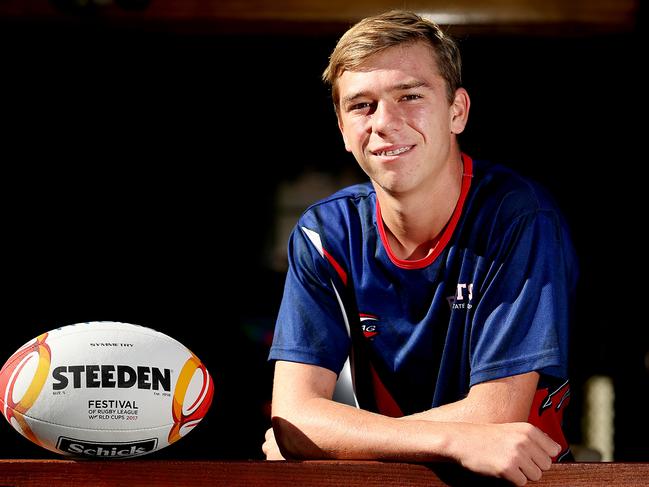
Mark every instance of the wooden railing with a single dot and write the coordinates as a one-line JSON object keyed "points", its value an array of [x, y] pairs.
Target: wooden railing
{"points": [[53, 473]]}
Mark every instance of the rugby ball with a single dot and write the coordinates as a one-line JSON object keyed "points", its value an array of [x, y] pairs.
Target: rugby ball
{"points": [[104, 390]]}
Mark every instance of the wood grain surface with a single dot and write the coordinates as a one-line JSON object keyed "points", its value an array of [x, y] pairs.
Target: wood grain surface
{"points": [[54, 473]]}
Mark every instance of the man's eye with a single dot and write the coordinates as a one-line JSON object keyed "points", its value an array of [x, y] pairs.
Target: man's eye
{"points": [[411, 97], [359, 106]]}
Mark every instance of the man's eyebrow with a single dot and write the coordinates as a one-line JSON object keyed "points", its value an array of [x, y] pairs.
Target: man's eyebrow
{"points": [[410, 85], [399, 87]]}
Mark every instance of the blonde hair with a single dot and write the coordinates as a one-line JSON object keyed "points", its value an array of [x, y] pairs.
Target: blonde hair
{"points": [[375, 34]]}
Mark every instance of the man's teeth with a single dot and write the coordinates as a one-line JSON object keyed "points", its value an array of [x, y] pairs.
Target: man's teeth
{"points": [[395, 152]]}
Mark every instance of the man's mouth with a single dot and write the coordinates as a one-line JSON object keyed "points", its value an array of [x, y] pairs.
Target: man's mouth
{"points": [[393, 152]]}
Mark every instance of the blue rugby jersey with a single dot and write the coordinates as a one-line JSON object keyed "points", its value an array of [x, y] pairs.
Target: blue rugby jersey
{"points": [[491, 300]]}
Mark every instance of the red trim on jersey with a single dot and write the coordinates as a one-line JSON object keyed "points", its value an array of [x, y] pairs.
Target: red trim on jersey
{"points": [[365, 315], [547, 414], [341, 272], [440, 242], [385, 403]]}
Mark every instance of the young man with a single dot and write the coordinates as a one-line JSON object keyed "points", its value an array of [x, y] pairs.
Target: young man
{"points": [[445, 281]]}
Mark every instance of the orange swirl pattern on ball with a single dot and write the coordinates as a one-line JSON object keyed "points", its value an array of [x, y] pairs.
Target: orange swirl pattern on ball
{"points": [[204, 397], [9, 375]]}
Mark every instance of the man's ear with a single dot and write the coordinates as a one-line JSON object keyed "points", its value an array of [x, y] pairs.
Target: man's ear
{"points": [[342, 131], [459, 111]]}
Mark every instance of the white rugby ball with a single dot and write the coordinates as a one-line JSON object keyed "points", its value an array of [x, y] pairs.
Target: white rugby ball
{"points": [[104, 390]]}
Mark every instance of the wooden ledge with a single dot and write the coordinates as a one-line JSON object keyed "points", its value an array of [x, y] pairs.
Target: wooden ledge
{"points": [[295, 474]]}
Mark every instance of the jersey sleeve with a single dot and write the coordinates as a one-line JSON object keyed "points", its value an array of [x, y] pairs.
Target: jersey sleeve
{"points": [[311, 325], [521, 321]]}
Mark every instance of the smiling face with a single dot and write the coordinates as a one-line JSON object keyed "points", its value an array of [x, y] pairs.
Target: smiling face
{"points": [[395, 117]]}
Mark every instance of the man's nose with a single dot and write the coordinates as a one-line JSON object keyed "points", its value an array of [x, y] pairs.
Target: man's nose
{"points": [[387, 118]]}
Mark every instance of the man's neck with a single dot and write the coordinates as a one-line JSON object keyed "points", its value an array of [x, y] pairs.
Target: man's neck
{"points": [[414, 221]]}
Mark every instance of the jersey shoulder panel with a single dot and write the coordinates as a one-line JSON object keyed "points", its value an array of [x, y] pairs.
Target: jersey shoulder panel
{"points": [[342, 216], [499, 199], [503, 189], [340, 201]]}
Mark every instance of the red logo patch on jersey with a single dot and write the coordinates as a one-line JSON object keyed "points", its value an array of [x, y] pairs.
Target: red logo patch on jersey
{"points": [[369, 325]]}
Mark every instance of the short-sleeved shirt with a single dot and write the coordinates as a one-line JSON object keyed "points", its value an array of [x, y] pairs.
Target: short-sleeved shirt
{"points": [[492, 299]]}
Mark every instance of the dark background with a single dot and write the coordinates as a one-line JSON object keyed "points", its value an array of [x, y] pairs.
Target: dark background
{"points": [[140, 168]]}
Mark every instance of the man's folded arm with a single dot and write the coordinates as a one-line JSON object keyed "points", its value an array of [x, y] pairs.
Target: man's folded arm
{"points": [[307, 424]]}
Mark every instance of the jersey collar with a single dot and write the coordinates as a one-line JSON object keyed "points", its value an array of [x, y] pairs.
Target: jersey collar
{"points": [[444, 237]]}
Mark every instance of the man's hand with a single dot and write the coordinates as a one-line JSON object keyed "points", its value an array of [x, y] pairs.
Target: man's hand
{"points": [[517, 452], [270, 448]]}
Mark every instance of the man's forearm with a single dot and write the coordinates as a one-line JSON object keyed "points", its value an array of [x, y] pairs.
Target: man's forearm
{"points": [[309, 425], [325, 429], [500, 401]]}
